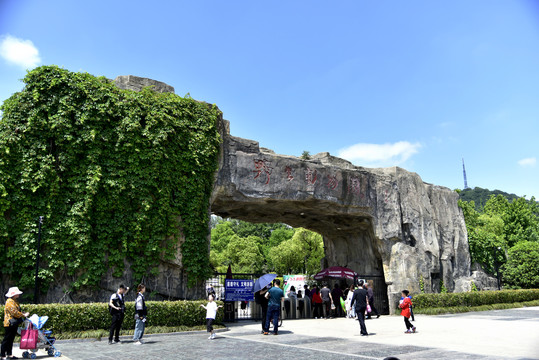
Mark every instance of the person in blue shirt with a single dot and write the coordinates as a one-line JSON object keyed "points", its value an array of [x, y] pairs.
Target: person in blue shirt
{"points": [[274, 295]]}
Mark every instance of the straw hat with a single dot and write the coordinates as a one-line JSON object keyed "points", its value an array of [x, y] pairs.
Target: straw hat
{"points": [[13, 291]]}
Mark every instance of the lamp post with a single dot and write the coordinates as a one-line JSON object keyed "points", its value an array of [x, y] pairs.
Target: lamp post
{"points": [[497, 263], [36, 286]]}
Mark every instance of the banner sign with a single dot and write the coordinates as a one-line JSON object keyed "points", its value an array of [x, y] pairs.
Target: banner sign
{"points": [[239, 290], [294, 280]]}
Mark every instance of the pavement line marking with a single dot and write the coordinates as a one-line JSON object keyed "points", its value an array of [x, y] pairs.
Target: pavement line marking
{"points": [[301, 347]]}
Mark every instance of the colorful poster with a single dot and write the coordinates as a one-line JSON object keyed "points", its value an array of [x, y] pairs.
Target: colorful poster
{"points": [[294, 280]]}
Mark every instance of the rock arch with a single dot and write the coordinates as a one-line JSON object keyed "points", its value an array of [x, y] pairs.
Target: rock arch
{"points": [[384, 222], [376, 221]]}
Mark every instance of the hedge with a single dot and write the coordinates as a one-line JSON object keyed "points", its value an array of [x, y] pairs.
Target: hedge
{"points": [[93, 316], [463, 309], [474, 298]]}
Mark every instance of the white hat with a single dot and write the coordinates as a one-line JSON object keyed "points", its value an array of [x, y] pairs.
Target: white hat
{"points": [[13, 291]]}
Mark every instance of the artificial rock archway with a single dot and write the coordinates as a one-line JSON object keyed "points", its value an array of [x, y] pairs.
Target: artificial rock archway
{"points": [[385, 222]]}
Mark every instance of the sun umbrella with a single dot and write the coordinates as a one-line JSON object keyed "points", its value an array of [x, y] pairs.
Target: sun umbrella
{"points": [[336, 272], [263, 281]]}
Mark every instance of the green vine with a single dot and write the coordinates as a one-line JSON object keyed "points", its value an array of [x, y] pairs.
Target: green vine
{"points": [[443, 289], [117, 174], [421, 284]]}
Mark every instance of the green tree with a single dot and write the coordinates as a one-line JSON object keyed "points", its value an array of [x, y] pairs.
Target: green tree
{"points": [[306, 155], [303, 252], [262, 230], [220, 236], [503, 225], [277, 237], [242, 254], [485, 239], [521, 269], [521, 221]]}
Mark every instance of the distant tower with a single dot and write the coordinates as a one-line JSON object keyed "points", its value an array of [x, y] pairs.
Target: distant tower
{"points": [[464, 172]]}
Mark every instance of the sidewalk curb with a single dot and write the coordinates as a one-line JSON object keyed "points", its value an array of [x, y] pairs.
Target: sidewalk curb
{"points": [[130, 337]]}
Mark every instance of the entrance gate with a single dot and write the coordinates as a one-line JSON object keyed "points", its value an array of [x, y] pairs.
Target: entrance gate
{"points": [[239, 310], [234, 310]]}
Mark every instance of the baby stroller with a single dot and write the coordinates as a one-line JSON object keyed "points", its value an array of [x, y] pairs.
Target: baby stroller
{"points": [[44, 339]]}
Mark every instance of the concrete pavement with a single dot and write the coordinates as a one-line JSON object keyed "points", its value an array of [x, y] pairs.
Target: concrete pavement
{"points": [[502, 334]]}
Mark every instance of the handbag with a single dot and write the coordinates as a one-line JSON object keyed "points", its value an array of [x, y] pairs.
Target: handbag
{"points": [[369, 308], [29, 338]]}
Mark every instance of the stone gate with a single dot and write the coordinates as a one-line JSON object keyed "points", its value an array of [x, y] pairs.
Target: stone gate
{"points": [[384, 222]]}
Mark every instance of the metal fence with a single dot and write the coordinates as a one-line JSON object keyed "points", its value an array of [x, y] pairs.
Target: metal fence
{"points": [[379, 287], [240, 310]]}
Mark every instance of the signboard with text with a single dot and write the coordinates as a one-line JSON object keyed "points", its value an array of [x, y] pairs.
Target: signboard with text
{"points": [[239, 290]]}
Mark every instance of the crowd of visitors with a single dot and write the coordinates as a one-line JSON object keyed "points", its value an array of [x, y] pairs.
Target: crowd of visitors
{"points": [[356, 301], [326, 303]]}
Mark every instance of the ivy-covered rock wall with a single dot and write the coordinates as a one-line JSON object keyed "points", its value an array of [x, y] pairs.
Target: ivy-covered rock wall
{"points": [[122, 178]]}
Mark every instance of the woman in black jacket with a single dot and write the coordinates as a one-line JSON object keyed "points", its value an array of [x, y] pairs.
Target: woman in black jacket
{"points": [[140, 314]]}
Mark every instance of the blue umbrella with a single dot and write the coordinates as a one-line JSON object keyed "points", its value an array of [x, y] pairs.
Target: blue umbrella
{"points": [[263, 281]]}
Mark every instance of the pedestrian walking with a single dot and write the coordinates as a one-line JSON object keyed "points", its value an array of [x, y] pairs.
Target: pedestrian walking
{"points": [[336, 296], [405, 305], [260, 298], [13, 317], [140, 315], [117, 310], [325, 294], [360, 301], [211, 313], [411, 306], [370, 294], [317, 303], [274, 295], [350, 312]]}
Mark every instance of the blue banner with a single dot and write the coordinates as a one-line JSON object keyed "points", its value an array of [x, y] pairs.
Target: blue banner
{"points": [[239, 290]]}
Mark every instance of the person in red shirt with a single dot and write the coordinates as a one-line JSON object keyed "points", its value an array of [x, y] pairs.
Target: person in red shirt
{"points": [[405, 305], [317, 303]]}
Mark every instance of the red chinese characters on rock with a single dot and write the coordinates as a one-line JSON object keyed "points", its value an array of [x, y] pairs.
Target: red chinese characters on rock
{"points": [[288, 171], [386, 196], [310, 176], [354, 186], [262, 167], [332, 182]]}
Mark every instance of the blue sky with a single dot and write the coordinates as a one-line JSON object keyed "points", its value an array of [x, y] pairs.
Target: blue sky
{"points": [[418, 84]]}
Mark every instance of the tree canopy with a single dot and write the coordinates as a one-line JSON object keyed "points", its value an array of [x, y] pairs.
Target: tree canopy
{"points": [[248, 247], [505, 235]]}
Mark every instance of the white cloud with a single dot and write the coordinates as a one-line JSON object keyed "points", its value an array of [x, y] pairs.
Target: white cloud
{"points": [[379, 154], [527, 162], [20, 52], [446, 124]]}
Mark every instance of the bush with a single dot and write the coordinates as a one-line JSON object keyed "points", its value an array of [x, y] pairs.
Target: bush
{"points": [[474, 298], [463, 309], [94, 316], [522, 264]]}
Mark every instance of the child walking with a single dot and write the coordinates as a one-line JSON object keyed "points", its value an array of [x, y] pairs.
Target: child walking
{"points": [[211, 312], [405, 305]]}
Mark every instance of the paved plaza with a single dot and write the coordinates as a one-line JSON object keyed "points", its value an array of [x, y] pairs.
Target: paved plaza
{"points": [[501, 334]]}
